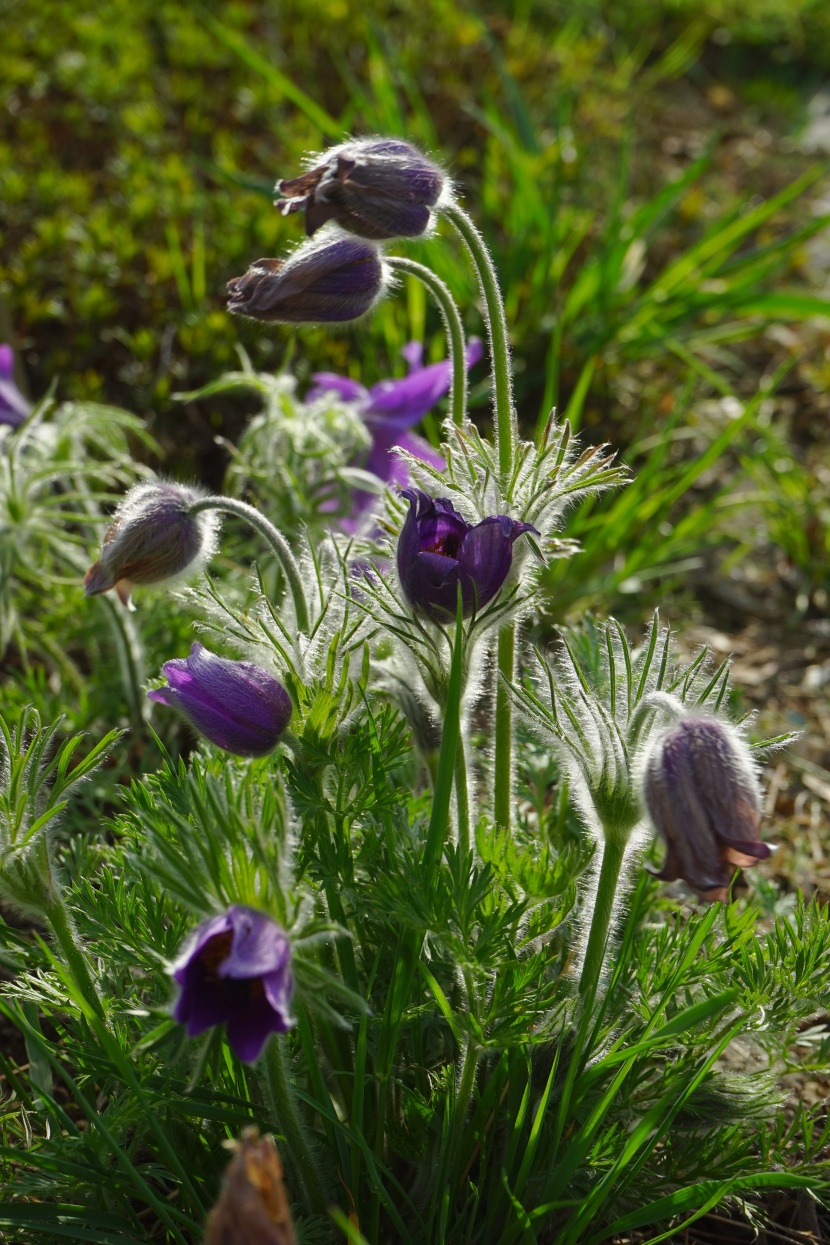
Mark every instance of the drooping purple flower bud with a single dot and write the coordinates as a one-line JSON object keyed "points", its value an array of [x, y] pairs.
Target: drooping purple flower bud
{"points": [[153, 537], [235, 704], [328, 281], [378, 188], [236, 970], [701, 792], [438, 551], [13, 406]]}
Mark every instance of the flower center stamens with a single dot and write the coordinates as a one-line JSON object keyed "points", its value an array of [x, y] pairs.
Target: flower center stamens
{"points": [[448, 546]]}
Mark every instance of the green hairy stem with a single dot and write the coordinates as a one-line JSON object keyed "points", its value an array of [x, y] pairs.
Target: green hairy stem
{"points": [[282, 1098], [506, 439], [613, 855], [452, 323], [278, 543]]}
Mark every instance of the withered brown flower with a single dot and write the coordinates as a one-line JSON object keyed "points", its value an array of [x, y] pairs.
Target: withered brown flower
{"points": [[253, 1205]]}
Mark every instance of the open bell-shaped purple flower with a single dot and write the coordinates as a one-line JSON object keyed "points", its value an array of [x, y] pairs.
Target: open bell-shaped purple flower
{"points": [[236, 970], [439, 551], [235, 704], [330, 280], [701, 793], [377, 188]]}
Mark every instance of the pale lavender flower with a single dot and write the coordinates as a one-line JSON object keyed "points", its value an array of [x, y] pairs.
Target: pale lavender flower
{"points": [[390, 409]]}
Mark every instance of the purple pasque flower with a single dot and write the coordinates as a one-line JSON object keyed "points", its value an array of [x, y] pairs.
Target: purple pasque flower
{"points": [[235, 704], [377, 188], [390, 409], [235, 970], [153, 537], [438, 551], [13, 406], [330, 280], [701, 792]]}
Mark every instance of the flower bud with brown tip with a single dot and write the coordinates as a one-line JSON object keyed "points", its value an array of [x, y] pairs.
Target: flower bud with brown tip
{"points": [[377, 188], [153, 537], [326, 281], [253, 1206], [701, 792]]}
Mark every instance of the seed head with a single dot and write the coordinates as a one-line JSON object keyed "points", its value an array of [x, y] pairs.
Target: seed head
{"points": [[253, 1206]]}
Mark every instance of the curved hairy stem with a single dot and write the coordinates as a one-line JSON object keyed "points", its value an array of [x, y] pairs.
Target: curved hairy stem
{"points": [[505, 421], [63, 929], [506, 441], [275, 538], [452, 323]]}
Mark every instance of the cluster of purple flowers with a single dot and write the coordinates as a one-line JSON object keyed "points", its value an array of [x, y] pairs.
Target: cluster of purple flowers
{"points": [[698, 783]]}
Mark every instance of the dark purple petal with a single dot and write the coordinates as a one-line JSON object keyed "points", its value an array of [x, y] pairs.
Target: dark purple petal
{"points": [[487, 555], [442, 531], [431, 585], [249, 1028], [409, 544], [197, 941], [279, 987]]}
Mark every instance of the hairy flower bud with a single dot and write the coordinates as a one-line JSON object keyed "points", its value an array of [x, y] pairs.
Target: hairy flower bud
{"points": [[253, 1207], [701, 792], [236, 970], [329, 281], [235, 704], [378, 188], [153, 537], [438, 551]]}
